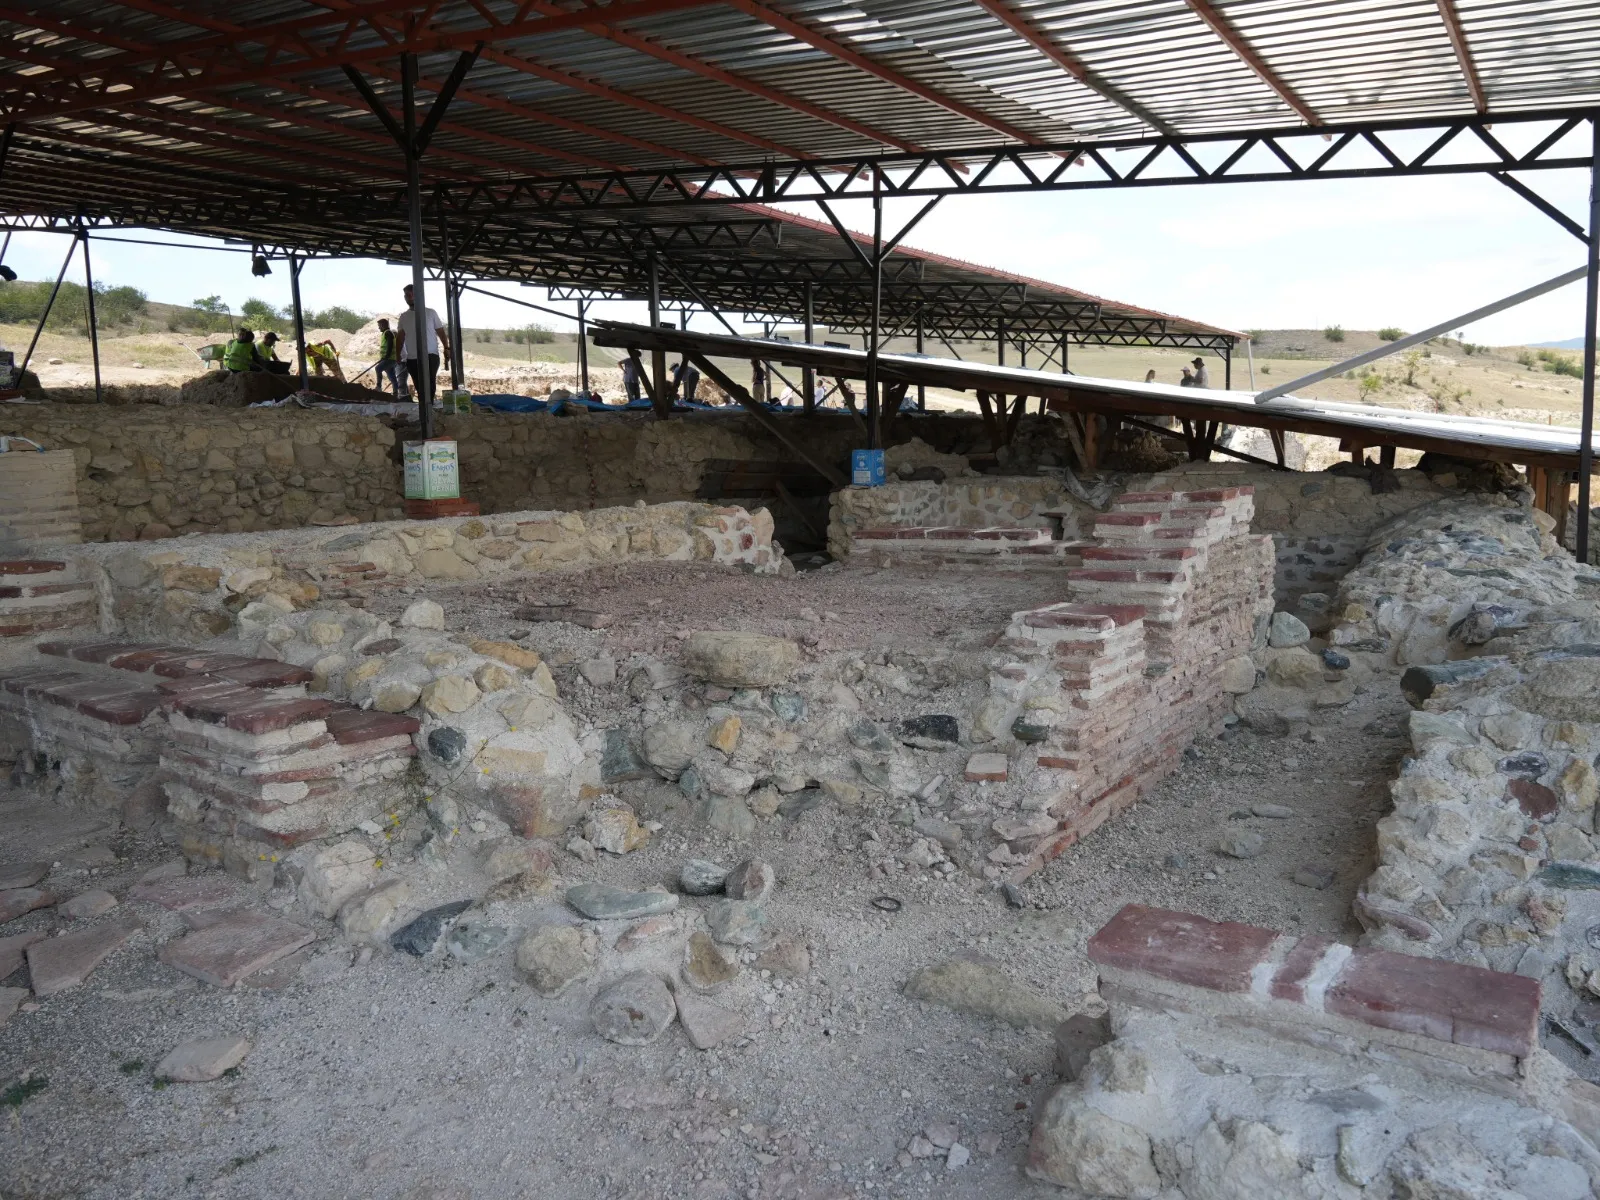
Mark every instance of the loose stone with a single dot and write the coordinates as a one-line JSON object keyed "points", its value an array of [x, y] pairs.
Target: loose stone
{"points": [[633, 1011]]}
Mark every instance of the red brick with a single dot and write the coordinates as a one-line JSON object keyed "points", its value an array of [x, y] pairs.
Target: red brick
{"points": [[1470, 1006], [893, 533], [1122, 614], [198, 662], [1181, 947], [99, 652], [42, 589], [351, 725], [196, 687], [248, 711], [1144, 498], [1127, 518], [1228, 493], [265, 673], [1068, 618], [28, 683], [142, 658], [30, 567], [951, 533]]}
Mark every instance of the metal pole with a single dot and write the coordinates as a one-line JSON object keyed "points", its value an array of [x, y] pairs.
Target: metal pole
{"points": [[1227, 368], [295, 264], [1250, 356], [877, 308], [48, 305], [94, 333], [658, 358], [1591, 314], [922, 389], [452, 309], [458, 346], [419, 303], [583, 348], [808, 375], [1000, 345]]}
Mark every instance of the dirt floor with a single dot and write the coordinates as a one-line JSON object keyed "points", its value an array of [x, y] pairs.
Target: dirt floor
{"points": [[389, 1076]]}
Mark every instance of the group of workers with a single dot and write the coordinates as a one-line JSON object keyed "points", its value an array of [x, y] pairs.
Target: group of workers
{"points": [[244, 353], [1197, 378]]}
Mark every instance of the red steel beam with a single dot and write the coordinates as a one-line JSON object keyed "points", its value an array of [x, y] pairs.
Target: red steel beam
{"points": [[846, 54], [315, 42], [1458, 39], [580, 84], [1236, 42], [1071, 63], [157, 8]]}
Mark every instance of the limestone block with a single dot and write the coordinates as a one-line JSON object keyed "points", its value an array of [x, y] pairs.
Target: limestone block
{"points": [[332, 876], [1078, 1147], [450, 694], [740, 659], [423, 614]]}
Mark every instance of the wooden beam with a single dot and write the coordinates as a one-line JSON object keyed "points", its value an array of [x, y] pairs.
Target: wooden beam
{"points": [[1223, 28], [765, 419], [1458, 39], [989, 421]]}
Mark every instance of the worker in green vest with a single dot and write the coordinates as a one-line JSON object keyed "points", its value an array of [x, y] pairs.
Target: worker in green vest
{"points": [[267, 351], [240, 354]]}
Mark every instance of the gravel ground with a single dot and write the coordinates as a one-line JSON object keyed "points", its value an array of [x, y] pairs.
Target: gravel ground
{"points": [[399, 1077]]}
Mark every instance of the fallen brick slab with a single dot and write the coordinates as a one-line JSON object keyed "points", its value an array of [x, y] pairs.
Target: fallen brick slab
{"points": [[11, 951], [186, 892], [58, 963], [350, 726], [240, 945], [1319, 982], [16, 901]]}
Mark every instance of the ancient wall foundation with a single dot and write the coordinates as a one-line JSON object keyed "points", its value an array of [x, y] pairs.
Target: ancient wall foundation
{"points": [[210, 586]]}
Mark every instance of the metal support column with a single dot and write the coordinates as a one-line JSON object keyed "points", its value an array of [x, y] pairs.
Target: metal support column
{"points": [[94, 331], [1065, 342], [48, 305], [658, 358], [583, 348], [1227, 368], [922, 389], [295, 265], [1000, 345], [873, 407], [419, 303], [1591, 314], [808, 375]]}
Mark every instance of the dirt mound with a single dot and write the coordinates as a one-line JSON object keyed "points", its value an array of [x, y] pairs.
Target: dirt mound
{"points": [[361, 347], [227, 390]]}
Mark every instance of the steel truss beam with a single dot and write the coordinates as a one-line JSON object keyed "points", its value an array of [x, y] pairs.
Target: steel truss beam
{"points": [[352, 36], [1156, 162]]}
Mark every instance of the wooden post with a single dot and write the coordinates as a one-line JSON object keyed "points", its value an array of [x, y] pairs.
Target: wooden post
{"points": [[1386, 457], [1091, 440]]}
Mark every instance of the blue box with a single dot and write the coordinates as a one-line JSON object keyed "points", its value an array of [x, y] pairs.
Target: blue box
{"points": [[866, 468]]}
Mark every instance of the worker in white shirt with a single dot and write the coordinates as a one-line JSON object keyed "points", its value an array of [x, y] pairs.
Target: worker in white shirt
{"points": [[410, 344], [1202, 377]]}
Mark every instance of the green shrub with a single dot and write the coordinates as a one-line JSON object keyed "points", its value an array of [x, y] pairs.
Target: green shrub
{"points": [[1390, 334], [1334, 333], [337, 316], [538, 335], [1368, 384]]}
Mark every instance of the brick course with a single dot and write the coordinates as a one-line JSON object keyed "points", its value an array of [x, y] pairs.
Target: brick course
{"points": [[1248, 968]]}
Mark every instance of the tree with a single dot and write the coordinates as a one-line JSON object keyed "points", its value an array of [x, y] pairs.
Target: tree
{"points": [[337, 316], [258, 314], [211, 304]]}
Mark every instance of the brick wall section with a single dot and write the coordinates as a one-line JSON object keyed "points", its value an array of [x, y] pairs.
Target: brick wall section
{"points": [[1465, 1017], [1005, 548], [41, 595], [1127, 670], [250, 765]]}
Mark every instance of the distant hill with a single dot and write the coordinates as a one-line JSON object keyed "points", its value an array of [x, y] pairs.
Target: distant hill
{"points": [[1570, 344]]}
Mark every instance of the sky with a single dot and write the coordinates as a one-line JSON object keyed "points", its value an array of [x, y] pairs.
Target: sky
{"points": [[1363, 254]]}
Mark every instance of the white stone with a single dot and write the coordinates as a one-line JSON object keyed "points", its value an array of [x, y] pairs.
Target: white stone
{"points": [[203, 1060], [1257, 1165], [423, 614], [1079, 1147], [332, 876]]}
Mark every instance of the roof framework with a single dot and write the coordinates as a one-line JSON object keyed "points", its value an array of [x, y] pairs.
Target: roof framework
{"points": [[580, 124], [610, 145]]}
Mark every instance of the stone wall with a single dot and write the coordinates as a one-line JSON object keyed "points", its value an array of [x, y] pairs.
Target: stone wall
{"points": [[152, 471], [147, 471], [210, 586], [980, 502]]}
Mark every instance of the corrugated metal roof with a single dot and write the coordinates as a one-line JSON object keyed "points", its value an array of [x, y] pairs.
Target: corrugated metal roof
{"points": [[216, 116]]}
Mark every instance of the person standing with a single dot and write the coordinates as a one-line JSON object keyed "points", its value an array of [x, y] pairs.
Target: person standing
{"points": [[685, 379], [416, 349], [1188, 378], [1150, 375], [758, 381], [1202, 377], [389, 359], [630, 378]]}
